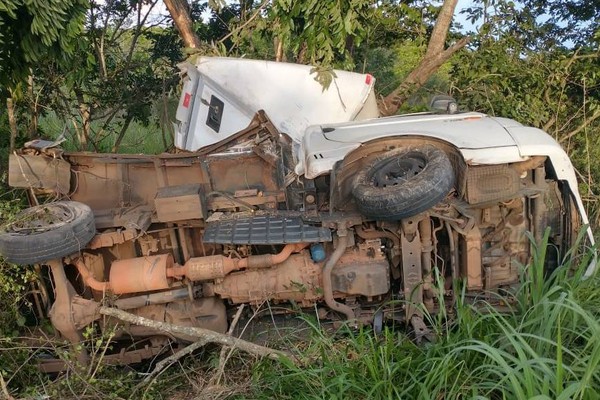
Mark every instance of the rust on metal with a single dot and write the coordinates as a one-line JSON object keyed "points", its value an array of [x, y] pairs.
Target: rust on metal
{"points": [[471, 259], [35, 172], [152, 212], [141, 274], [89, 279], [327, 285], [412, 274], [61, 313], [215, 267]]}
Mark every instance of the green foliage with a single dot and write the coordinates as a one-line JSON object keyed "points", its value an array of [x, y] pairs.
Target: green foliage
{"points": [[139, 138], [36, 31], [314, 32], [520, 67], [14, 282], [14, 279], [545, 23], [324, 27], [325, 76], [547, 346], [121, 68], [392, 64]]}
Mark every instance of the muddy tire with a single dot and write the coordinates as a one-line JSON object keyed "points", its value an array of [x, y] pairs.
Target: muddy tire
{"points": [[46, 232], [403, 182]]}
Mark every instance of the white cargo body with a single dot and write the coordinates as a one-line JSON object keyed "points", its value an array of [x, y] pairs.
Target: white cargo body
{"points": [[221, 95]]}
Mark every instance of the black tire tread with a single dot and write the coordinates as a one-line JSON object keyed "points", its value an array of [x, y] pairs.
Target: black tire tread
{"points": [[67, 239], [410, 198]]}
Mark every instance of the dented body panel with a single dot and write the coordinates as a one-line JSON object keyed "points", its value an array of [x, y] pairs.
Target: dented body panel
{"points": [[274, 220], [221, 95]]}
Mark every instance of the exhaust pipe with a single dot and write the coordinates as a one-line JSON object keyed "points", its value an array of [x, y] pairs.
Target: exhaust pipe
{"points": [[145, 274]]}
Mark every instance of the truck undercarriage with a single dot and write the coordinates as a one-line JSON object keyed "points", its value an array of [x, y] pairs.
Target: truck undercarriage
{"points": [[399, 224]]}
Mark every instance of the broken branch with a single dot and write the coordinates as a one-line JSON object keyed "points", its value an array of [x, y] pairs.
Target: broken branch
{"points": [[584, 124], [222, 356], [205, 335], [172, 359], [434, 57]]}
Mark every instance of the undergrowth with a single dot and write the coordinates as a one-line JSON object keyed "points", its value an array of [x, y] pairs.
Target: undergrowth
{"points": [[545, 344]]}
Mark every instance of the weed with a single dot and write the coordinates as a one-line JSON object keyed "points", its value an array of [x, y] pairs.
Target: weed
{"points": [[546, 347]]}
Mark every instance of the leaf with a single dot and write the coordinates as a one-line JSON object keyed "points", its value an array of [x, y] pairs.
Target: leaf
{"points": [[323, 75]]}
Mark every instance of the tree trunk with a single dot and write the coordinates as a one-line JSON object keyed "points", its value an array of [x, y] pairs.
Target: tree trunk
{"points": [[33, 123], [278, 50], [121, 135], [12, 122], [434, 57], [179, 10], [84, 111]]}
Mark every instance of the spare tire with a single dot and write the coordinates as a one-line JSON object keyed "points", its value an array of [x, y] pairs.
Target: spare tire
{"points": [[46, 232], [403, 182]]}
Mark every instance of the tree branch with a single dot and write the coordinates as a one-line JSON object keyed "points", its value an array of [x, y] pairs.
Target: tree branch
{"points": [[434, 57], [205, 335], [5, 392], [440, 30], [181, 17], [417, 77], [222, 356], [239, 28], [121, 135], [12, 122], [141, 21], [172, 359], [581, 127]]}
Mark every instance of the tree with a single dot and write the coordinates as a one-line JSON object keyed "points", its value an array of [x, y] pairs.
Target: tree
{"points": [[319, 32], [31, 33], [180, 12], [328, 33], [569, 20], [35, 31], [123, 65], [436, 55]]}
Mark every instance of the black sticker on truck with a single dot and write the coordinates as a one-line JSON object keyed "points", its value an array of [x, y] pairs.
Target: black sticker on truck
{"points": [[215, 113]]}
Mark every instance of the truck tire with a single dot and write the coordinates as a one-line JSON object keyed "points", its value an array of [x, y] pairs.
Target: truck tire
{"points": [[47, 232], [403, 182]]}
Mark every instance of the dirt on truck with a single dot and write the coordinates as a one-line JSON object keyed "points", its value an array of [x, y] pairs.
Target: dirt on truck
{"points": [[289, 198]]}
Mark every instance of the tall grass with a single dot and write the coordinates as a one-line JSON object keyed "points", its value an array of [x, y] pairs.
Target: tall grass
{"points": [[547, 346], [138, 138]]}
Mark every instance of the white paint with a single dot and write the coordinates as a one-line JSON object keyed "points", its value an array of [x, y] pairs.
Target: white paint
{"points": [[324, 126], [288, 93], [481, 139]]}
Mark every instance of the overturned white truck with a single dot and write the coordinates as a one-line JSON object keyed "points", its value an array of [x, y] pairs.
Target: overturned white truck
{"points": [[290, 198]]}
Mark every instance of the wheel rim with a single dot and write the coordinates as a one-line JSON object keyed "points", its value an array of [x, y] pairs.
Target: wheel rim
{"points": [[399, 170], [42, 219]]}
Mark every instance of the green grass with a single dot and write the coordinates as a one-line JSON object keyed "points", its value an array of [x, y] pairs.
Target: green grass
{"points": [[547, 347], [138, 138]]}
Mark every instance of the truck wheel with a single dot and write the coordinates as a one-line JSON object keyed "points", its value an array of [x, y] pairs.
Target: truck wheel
{"points": [[403, 182], [46, 232]]}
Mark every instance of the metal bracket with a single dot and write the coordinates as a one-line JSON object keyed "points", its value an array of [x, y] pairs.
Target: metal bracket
{"points": [[421, 330], [412, 274], [61, 313]]}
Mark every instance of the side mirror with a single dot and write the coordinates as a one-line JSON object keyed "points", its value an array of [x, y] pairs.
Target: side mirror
{"points": [[444, 104]]}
